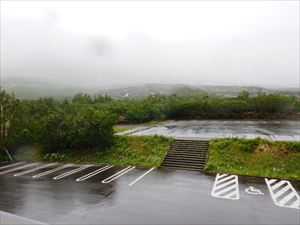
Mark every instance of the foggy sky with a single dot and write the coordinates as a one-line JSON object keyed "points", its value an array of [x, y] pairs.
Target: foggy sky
{"points": [[105, 43]]}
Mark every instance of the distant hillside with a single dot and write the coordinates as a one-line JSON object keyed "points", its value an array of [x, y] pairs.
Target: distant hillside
{"points": [[179, 89], [32, 88]]}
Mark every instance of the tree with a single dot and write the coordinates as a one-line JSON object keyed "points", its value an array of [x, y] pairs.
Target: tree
{"points": [[8, 106]]}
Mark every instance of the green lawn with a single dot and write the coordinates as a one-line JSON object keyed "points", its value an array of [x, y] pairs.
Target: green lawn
{"points": [[258, 157]]}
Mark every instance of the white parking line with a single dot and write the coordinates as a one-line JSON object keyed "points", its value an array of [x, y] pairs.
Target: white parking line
{"points": [[11, 165], [71, 172], [275, 137], [226, 186], [34, 169], [52, 171], [142, 176], [87, 176], [283, 193], [19, 168], [118, 174]]}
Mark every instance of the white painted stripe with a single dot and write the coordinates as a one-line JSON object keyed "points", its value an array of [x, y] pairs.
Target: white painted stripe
{"points": [[281, 191], [272, 137], [276, 137], [295, 205], [231, 195], [287, 198], [283, 202], [118, 174], [71, 172], [226, 188], [142, 176], [275, 186], [34, 169], [89, 175], [19, 168], [223, 175], [225, 179], [11, 165], [220, 192], [272, 181], [52, 171], [225, 184]]}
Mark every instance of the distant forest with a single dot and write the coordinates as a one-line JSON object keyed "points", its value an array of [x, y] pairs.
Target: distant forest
{"points": [[87, 122]]}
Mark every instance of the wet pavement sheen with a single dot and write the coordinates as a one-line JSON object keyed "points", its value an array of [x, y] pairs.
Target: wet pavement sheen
{"points": [[206, 129], [160, 197]]}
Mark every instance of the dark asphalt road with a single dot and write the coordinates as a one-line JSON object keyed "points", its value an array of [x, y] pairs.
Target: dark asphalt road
{"points": [[160, 197]]}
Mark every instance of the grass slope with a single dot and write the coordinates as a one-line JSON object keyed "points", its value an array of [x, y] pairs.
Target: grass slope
{"points": [[258, 157], [134, 150], [127, 150]]}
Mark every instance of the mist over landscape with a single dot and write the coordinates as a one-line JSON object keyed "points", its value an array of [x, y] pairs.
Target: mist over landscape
{"points": [[149, 112], [100, 46]]}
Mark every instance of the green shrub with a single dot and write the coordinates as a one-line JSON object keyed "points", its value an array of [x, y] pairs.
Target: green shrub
{"points": [[293, 145], [55, 157]]}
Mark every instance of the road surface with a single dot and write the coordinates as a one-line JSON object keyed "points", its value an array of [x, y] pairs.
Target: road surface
{"points": [[103, 194]]}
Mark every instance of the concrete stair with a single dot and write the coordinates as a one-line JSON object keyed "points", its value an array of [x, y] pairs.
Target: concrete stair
{"points": [[186, 155]]}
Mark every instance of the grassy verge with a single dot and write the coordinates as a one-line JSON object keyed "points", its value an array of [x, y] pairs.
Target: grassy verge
{"points": [[127, 150], [134, 150], [120, 128], [258, 157], [124, 127]]}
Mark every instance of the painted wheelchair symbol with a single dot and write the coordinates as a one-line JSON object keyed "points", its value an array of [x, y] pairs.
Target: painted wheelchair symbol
{"points": [[252, 191]]}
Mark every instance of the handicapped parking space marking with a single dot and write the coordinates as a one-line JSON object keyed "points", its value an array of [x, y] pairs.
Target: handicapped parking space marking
{"points": [[52, 171], [19, 168], [11, 165], [136, 180], [117, 175], [253, 191], [226, 186], [283, 193], [71, 172], [34, 169], [91, 174]]}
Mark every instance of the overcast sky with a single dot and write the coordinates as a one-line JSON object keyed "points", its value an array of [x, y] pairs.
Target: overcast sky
{"points": [[101, 43]]}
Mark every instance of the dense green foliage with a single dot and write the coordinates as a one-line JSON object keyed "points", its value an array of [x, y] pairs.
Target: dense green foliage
{"points": [[58, 126], [8, 108], [257, 157], [87, 122], [126, 150], [197, 106]]}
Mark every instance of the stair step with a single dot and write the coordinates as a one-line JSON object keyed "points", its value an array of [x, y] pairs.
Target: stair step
{"points": [[186, 155], [187, 169], [184, 167], [181, 164], [191, 146], [185, 158], [190, 151], [194, 154]]}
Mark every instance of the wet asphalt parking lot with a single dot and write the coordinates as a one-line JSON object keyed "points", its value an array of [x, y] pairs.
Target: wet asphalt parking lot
{"points": [[206, 129], [104, 195]]}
